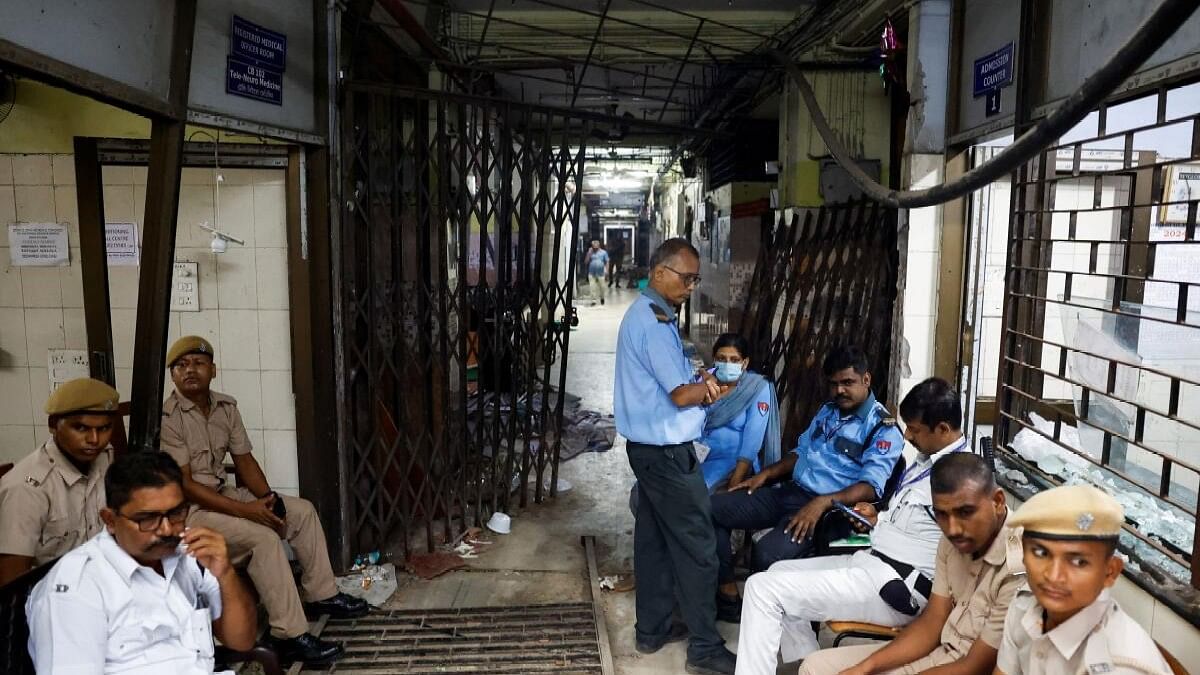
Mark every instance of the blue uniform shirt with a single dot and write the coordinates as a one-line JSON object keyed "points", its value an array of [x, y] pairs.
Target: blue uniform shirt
{"points": [[650, 365], [829, 448], [740, 439], [597, 262]]}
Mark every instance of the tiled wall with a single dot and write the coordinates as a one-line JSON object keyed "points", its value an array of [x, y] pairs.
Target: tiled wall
{"points": [[243, 297]]}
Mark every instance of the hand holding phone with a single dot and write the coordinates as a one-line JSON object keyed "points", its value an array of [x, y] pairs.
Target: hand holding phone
{"points": [[853, 515]]}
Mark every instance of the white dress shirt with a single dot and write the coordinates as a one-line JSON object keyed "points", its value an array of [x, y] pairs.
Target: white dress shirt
{"points": [[100, 611], [906, 531]]}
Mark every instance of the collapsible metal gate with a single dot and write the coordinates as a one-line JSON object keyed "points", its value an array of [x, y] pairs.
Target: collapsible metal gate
{"points": [[458, 216], [824, 279]]}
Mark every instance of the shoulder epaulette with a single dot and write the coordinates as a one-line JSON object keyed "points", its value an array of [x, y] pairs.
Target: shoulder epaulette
{"points": [[660, 313]]}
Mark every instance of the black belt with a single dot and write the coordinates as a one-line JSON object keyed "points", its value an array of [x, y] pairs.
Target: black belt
{"points": [[922, 584]]}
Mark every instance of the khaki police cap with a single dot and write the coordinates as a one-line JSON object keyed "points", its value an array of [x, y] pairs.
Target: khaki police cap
{"points": [[189, 344], [84, 395], [1070, 512]]}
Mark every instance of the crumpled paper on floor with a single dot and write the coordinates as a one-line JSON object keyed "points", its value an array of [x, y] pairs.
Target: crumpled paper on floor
{"points": [[373, 583]]}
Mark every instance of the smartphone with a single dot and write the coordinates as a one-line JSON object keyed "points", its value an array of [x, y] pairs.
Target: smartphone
{"points": [[278, 508], [853, 515]]}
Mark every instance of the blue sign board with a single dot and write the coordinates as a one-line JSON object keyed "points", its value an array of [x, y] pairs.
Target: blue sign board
{"points": [[251, 42], [251, 80], [994, 71]]}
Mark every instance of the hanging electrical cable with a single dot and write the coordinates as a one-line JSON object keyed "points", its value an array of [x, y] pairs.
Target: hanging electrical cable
{"points": [[1154, 31]]}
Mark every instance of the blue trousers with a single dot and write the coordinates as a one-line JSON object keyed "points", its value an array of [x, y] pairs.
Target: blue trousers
{"points": [[767, 507], [673, 547]]}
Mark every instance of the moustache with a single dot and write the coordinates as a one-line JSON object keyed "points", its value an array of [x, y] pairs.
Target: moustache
{"points": [[166, 541]]}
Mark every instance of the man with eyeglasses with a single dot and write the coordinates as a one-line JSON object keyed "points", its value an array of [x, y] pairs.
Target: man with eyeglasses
{"points": [[658, 404], [846, 455], [50, 501], [145, 595], [199, 428]]}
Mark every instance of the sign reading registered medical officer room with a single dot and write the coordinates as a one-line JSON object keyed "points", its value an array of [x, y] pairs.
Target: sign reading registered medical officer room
{"points": [[256, 62], [992, 73]]}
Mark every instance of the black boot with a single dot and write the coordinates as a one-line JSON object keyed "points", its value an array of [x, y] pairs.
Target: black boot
{"points": [[723, 662], [677, 633], [307, 648], [340, 606], [729, 609]]}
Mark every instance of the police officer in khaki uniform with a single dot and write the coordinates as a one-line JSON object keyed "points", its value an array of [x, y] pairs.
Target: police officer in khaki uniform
{"points": [[199, 428], [50, 501], [1064, 621], [977, 571]]}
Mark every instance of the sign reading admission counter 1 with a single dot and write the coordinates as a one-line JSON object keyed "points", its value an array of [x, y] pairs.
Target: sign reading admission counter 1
{"points": [[257, 59], [992, 73]]}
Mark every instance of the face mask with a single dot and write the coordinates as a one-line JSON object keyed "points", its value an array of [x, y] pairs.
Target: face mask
{"points": [[728, 372]]}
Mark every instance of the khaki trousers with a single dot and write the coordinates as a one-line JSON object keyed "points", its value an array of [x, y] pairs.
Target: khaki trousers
{"points": [[260, 550], [834, 661]]}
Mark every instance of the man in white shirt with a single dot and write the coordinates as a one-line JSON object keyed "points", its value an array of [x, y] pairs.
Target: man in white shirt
{"points": [[144, 596], [888, 584]]}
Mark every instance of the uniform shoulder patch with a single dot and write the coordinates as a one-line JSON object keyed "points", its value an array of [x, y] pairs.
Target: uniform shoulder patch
{"points": [[660, 313], [763, 408]]}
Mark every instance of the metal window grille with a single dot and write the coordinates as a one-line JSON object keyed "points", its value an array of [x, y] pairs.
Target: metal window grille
{"points": [[1101, 334], [458, 214]]}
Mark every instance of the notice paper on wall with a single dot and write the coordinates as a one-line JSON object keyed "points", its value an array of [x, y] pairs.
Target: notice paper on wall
{"points": [[38, 245], [121, 243], [65, 365]]}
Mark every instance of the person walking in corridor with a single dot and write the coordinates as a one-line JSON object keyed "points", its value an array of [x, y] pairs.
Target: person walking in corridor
{"points": [[597, 264], [658, 402]]}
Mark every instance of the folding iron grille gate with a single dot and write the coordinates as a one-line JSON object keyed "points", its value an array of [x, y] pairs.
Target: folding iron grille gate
{"points": [[1100, 359], [458, 220], [823, 278]]}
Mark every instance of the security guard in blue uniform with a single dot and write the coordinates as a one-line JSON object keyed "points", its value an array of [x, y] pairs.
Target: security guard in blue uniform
{"points": [[846, 454], [658, 401]]}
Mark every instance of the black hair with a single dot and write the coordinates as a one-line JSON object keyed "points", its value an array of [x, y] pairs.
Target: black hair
{"points": [[671, 248], [952, 471], [843, 357], [732, 340], [137, 470], [932, 402]]}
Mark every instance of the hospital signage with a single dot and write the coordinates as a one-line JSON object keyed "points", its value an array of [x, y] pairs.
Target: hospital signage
{"points": [[992, 73], [256, 61]]}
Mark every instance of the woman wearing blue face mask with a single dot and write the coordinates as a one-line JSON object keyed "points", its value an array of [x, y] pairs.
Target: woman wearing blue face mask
{"points": [[744, 421], [741, 423]]}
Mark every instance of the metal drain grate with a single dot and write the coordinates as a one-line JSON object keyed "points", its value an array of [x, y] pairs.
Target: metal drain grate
{"points": [[560, 638]]}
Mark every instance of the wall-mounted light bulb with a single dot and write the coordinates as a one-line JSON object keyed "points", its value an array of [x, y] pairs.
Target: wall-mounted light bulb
{"points": [[218, 244]]}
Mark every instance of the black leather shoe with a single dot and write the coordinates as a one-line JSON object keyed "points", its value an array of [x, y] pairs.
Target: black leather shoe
{"points": [[729, 610], [678, 633], [308, 648], [340, 606], [723, 662]]}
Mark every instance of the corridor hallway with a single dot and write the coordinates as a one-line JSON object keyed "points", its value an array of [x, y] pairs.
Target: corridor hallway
{"points": [[542, 560]]}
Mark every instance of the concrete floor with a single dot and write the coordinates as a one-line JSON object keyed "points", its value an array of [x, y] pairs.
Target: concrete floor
{"points": [[542, 560]]}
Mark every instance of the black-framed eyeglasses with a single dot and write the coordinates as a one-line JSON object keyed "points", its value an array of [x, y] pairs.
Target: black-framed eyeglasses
{"points": [[149, 522], [688, 279]]}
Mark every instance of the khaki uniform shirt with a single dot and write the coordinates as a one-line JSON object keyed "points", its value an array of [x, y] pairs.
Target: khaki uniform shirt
{"points": [[200, 442], [981, 590], [1099, 640], [47, 507]]}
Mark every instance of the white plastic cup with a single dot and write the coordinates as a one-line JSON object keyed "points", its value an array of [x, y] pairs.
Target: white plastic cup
{"points": [[500, 523]]}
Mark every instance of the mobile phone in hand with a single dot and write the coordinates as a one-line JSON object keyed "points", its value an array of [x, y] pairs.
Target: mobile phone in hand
{"points": [[853, 515], [278, 508]]}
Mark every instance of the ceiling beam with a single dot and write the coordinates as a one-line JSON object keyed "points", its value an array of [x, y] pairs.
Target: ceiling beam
{"points": [[634, 24], [591, 50], [699, 27]]}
